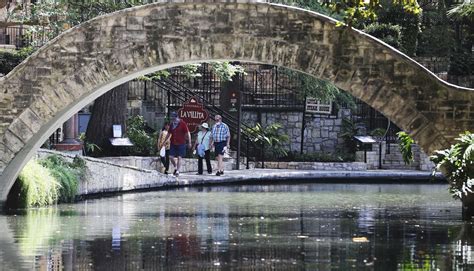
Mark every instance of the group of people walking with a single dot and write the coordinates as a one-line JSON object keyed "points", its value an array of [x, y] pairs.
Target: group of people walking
{"points": [[175, 138]]}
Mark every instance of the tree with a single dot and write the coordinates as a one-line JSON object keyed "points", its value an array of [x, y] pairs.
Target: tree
{"points": [[109, 109]]}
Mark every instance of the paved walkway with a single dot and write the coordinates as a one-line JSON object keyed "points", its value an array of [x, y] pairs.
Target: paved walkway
{"points": [[269, 175]]}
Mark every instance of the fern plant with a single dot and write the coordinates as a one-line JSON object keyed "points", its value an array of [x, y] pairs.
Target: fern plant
{"points": [[457, 164], [269, 137]]}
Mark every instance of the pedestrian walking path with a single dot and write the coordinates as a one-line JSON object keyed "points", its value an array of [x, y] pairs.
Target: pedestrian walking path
{"points": [[279, 175]]}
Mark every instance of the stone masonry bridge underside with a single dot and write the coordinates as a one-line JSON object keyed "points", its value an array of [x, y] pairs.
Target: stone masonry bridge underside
{"points": [[88, 60]]}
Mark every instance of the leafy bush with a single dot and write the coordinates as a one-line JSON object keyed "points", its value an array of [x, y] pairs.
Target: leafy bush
{"points": [[462, 63], [10, 59], [35, 186], [405, 142], [457, 164], [270, 137], [349, 130], [144, 143], [389, 33], [67, 174], [47, 181]]}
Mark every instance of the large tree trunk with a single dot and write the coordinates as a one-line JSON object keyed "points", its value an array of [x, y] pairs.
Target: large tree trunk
{"points": [[109, 109]]}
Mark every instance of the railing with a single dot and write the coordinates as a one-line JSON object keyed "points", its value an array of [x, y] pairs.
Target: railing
{"points": [[179, 92], [372, 119], [269, 88]]}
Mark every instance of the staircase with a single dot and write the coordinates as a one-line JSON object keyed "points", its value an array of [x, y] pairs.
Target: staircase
{"points": [[180, 93], [147, 100]]}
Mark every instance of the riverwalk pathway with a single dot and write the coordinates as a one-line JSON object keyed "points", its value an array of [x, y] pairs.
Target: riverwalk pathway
{"points": [[285, 175]]}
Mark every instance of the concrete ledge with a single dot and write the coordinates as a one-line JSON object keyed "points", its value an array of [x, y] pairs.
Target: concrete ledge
{"points": [[346, 166]]}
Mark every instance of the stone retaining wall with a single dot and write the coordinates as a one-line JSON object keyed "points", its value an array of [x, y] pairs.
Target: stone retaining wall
{"points": [[322, 132], [151, 163], [394, 159], [103, 176]]}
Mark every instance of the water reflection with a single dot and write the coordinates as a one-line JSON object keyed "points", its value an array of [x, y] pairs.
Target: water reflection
{"points": [[290, 227]]}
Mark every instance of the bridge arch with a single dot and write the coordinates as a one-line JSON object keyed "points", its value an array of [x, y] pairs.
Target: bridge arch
{"points": [[90, 59]]}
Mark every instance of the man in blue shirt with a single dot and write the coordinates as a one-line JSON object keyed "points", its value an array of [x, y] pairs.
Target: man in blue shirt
{"points": [[221, 142]]}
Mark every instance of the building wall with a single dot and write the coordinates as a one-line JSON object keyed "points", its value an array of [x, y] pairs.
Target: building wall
{"points": [[322, 133]]}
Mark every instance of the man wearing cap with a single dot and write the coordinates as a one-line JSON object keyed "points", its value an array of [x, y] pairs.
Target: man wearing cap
{"points": [[221, 142], [179, 133]]}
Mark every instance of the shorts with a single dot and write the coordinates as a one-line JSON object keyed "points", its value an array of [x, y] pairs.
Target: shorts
{"points": [[178, 150], [219, 147]]}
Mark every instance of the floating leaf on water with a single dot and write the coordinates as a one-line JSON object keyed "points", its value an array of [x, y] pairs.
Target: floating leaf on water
{"points": [[362, 239]]}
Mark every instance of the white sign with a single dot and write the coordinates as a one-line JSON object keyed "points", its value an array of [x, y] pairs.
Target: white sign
{"points": [[316, 106], [117, 131]]}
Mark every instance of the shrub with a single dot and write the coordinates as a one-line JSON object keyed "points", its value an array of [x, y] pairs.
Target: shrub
{"points": [[144, 143], [457, 164], [35, 186], [270, 137], [46, 181], [405, 142], [66, 174], [389, 33]]}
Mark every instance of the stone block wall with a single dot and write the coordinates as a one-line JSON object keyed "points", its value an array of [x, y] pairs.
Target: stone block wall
{"points": [[151, 163], [394, 159], [322, 133], [354, 166], [103, 176]]}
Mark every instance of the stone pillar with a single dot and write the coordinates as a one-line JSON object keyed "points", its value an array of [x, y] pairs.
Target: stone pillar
{"points": [[70, 132]]}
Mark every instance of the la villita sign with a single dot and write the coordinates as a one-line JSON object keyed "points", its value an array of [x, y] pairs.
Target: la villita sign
{"points": [[193, 113]]}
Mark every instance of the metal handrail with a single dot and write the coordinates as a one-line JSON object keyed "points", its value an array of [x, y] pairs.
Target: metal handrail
{"points": [[183, 93]]}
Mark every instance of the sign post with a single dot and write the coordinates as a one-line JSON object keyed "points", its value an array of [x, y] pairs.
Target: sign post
{"points": [[193, 113]]}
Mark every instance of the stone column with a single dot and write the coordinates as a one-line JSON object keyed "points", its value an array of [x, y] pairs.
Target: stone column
{"points": [[70, 144]]}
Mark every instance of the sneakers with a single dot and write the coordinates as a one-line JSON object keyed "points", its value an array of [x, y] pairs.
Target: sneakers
{"points": [[219, 173], [176, 173]]}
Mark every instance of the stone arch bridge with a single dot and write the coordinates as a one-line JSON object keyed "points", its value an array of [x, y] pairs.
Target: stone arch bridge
{"points": [[88, 60]]}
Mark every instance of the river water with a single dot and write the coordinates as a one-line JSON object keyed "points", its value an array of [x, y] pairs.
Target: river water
{"points": [[284, 227]]}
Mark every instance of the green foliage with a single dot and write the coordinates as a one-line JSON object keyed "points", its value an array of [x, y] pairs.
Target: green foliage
{"points": [[360, 11], [270, 137], [348, 130], [47, 181], [144, 144], [405, 142], [457, 164], [310, 86], [10, 59], [312, 5], [154, 76], [377, 132], [67, 174], [88, 146], [319, 157], [409, 23], [191, 70], [38, 187], [225, 70], [461, 63], [463, 12], [389, 33]]}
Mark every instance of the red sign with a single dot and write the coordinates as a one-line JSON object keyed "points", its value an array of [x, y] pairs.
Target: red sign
{"points": [[193, 113]]}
